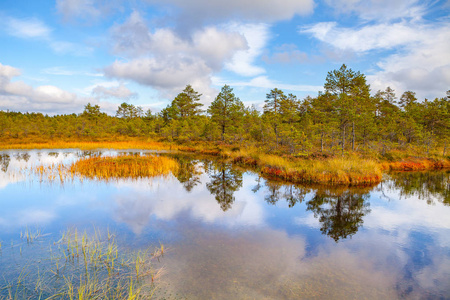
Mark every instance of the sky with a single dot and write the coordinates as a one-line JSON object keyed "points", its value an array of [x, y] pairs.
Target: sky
{"points": [[57, 56]]}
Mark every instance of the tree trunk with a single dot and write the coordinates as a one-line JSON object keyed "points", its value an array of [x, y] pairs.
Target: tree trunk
{"points": [[353, 136], [343, 139], [223, 132], [321, 142], [276, 135]]}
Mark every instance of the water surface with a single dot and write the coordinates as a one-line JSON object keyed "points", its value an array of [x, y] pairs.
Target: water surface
{"points": [[231, 234]]}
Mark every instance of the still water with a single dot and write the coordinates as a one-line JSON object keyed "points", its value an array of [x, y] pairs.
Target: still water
{"points": [[231, 234]]}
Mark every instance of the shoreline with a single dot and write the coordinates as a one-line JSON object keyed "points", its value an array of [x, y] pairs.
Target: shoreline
{"points": [[348, 170]]}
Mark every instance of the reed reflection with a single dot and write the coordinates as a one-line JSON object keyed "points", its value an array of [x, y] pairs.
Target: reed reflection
{"points": [[4, 162]]}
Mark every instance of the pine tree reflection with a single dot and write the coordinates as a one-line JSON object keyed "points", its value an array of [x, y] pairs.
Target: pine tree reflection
{"points": [[225, 180], [274, 192], [291, 193], [189, 173], [429, 186], [340, 212]]}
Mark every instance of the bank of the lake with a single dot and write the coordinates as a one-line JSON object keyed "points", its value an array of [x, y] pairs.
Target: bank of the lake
{"points": [[351, 169]]}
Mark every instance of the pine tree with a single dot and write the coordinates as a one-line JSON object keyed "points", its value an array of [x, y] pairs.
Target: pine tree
{"points": [[226, 110]]}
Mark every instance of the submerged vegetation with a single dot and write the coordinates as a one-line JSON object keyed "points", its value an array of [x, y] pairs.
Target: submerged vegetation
{"points": [[82, 266], [345, 135]]}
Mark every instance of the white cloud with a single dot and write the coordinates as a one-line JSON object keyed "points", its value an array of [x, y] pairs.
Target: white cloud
{"points": [[58, 70], [118, 92], [198, 11], [421, 61], [36, 29], [19, 96], [27, 28], [166, 61], [257, 36], [266, 83], [159, 74], [60, 47], [366, 38], [380, 9]]}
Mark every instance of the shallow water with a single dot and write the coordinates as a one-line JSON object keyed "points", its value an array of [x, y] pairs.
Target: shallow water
{"points": [[230, 234]]}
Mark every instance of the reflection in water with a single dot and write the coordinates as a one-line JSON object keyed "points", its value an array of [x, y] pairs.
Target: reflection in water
{"points": [[340, 213], [274, 193], [4, 162], [225, 180], [247, 247], [291, 193], [189, 173], [428, 186], [25, 156]]}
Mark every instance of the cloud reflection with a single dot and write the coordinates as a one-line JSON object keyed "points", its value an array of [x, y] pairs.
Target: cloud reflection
{"points": [[139, 201]]}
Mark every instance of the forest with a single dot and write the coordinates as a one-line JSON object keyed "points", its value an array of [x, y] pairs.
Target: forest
{"points": [[344, 118]]}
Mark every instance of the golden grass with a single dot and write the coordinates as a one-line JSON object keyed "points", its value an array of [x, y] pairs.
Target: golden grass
{"points": [[351, 169], [109, 168], [133, 144], [417, 164], [333, 171], [126, 166]]}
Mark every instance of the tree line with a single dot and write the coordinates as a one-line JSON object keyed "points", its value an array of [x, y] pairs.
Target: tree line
{"points": [[344, 117]]}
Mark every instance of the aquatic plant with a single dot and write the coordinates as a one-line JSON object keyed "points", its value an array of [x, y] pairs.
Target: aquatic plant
{"points": [[125, 166], [82, 266], [107, 168]]}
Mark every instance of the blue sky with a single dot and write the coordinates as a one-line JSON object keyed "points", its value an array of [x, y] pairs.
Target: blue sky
{"points": [[56, 56]]}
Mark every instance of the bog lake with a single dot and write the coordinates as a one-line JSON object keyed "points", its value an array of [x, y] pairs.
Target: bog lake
{"points": [[230, 234]]}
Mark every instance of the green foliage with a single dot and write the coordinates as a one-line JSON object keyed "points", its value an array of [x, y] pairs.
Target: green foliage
{"points": [[344, 118], [226, 111]]}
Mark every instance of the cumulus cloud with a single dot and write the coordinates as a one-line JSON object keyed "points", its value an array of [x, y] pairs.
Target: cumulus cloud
{"points": [[19, 96], [421, 61], [200, 11], [257, 36], [166, 61], [118, 92]]}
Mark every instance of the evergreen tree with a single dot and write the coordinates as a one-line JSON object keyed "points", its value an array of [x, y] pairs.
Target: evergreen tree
{"points": [[272, 109], [226, 110], [186, 104]]}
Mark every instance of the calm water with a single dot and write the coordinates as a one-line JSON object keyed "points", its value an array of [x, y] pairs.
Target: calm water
{"points": [[233, 235]]}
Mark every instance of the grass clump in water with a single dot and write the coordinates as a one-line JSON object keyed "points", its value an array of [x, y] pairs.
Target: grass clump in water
{"points": [[126, 166], [81, 266]]}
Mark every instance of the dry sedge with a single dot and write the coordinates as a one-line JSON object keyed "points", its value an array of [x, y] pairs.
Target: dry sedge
{"points": [[127, 166], [86, 145]]}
